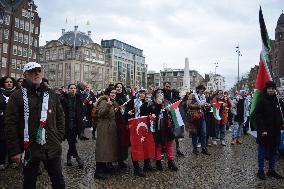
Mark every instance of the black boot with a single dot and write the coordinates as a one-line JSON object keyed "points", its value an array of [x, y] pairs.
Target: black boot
{"points": [[179, 153], [147, 166], [195, 151], [274, 175], [172, 166], [80, 162], [99, 173], [159, 166], [137, 170], [261, 175], [69, 161], [109, 168], [122, 165], [205, 151]]}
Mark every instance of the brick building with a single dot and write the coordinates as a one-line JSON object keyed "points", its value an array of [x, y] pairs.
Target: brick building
{"points": [[19, 35]]}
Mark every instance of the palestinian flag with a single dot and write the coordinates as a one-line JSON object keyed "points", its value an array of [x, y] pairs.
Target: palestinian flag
{"points": [[216, 110], [264, 74], [176, 116]]}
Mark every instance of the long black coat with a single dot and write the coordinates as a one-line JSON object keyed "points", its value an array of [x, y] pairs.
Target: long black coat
{"points": [[78, 114], [268, 119]]}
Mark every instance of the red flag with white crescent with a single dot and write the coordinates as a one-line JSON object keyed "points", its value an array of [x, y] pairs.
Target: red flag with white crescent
{"points": [[141, 139]]}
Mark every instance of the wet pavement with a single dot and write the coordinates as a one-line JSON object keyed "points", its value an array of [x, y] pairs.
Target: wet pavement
{"points": [[227, 167]]}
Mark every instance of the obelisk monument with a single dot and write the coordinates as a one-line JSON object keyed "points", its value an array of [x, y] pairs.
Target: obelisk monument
{"points": [[186, 78]]}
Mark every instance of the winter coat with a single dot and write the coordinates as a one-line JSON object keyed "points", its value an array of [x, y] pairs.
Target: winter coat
{"points": [[240, 106], [78, 115], [14, 121], [4, 96], [107, 133], [268, 119]]}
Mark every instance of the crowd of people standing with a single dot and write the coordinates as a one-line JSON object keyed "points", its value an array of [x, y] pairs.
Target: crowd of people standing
{"points": [[35, 119]]}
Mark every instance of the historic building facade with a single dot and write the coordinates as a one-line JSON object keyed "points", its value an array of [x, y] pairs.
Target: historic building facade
{"points": [[73, 58], [277, 51], [216, 82], [127, 63], [19, 35], [175, 76]]}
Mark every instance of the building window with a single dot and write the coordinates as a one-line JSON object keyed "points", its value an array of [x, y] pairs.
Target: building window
{"points": [[25, 52], [26, 39], [14, 49], [32, 28], [20, 38], [47, 57], [61, 54], [54, 55], [14, 62], [17, 22], [36, 30], [30, 53], [20, 49], [15, 36], [4, 62], [27, 26], [5, 47], [31, 41], [7, 20], [6, 34], [22, 23], [35, 42], [19, 62]]}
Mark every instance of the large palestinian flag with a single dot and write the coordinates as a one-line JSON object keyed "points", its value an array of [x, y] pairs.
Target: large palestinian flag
{"points": [[176, 115], [264, 74]]}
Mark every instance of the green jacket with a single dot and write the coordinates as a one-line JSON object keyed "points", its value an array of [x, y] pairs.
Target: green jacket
{"points": [[14, 121]]}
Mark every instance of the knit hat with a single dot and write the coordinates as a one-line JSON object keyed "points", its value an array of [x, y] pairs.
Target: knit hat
{"points": [[269, 84], [31, 65]]}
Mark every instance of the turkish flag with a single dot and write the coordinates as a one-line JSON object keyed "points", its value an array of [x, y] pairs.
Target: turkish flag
{"points": [[141, 139]]}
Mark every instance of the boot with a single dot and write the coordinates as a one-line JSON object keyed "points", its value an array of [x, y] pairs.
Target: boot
{"points": [[69, 161], [122, 165], [261, 175], [99, 171], [147, 166], [80, 162], [195, 151], [239, 141], [172, 166], [179, 153], [205, 152], [274, 175], [159, 166], [109, 168], [137, 170]]}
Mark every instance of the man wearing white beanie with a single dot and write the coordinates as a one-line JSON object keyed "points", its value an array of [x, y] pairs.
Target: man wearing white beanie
{"points": [[35, 128]]}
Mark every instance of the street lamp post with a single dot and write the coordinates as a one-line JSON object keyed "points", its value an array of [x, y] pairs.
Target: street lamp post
{"points": [[2, 18], [216, 65], [239, 54]]}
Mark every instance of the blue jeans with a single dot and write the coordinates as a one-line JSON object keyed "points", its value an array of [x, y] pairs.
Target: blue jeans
{"points": [[201, 134], [237, 129], [222, 129], [271, 151]]}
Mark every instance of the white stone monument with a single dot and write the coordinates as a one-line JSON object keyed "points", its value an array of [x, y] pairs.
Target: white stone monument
{"points": [[186, 79]]}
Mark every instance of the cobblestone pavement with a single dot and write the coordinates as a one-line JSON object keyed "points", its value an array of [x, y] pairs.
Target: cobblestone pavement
{"points": [[227, 167]]}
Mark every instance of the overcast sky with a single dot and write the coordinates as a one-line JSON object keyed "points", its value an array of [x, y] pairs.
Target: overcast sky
{"points": [[167, 31]]}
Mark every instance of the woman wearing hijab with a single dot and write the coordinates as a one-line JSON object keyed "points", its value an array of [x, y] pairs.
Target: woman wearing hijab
{"points": [[7, 87]]}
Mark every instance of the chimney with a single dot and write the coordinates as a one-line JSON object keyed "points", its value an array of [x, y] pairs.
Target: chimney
{"points": [[89, 33], [63, 31], [75, 28]]}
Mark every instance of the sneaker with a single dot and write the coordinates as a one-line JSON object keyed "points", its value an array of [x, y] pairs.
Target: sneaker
{"points": [[2, 167], [274, 175], [214, 142], [172, 166], [261, 175], [223, 143], [199, 145]]}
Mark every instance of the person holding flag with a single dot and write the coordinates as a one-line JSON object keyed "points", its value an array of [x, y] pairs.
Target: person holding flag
{"points": [[135, 108], [163, 130]]}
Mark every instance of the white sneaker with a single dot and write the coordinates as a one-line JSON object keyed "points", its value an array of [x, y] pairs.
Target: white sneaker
{"points": [[214, 142], [223, 143], [199, 145], [2, 167]]}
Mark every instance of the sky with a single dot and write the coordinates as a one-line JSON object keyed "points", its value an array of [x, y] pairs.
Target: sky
{"points": [[167, 31]]}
